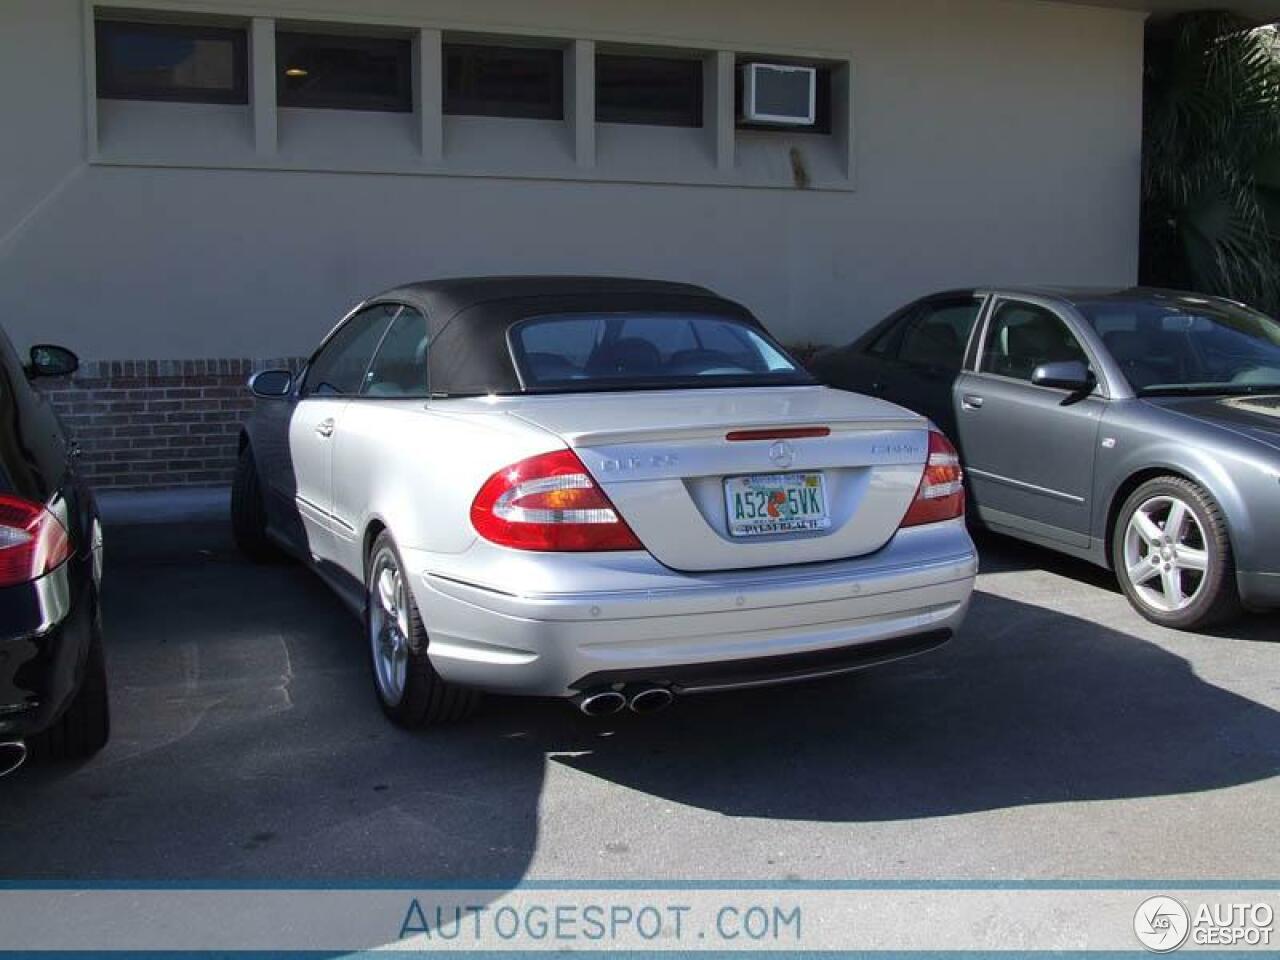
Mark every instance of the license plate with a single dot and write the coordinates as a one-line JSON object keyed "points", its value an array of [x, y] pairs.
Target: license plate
{"points": [[776, 503]]}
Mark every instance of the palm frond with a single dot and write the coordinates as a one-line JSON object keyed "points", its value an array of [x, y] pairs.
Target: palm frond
{"points": [[1211, 158]]}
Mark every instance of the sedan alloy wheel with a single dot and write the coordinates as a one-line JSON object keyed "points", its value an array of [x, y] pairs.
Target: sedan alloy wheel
{"points": [[1172, 554], [1165, 554]]}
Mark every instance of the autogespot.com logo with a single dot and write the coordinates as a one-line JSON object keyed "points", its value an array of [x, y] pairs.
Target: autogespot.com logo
{"points": [[1161, 924]]}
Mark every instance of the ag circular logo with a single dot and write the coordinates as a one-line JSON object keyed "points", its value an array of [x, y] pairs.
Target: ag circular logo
{"points": [[782, 454], [1161, 924]]}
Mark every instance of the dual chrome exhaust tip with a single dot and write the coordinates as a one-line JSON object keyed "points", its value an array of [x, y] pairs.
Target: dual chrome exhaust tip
{"points": [[13, 754], [645, 699]]}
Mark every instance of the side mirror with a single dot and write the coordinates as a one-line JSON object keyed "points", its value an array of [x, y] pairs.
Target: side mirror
{"points": [[1064, 375], [49, 360], [271, 384]]}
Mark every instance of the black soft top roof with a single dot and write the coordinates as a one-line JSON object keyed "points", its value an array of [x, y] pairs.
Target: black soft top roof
{"points": [[468, 318]]}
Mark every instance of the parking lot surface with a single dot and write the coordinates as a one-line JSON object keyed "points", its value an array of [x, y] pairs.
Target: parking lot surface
{"points": [[1060, 736]]}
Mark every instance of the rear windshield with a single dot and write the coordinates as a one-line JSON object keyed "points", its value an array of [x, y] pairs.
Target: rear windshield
{"points": [[622, 351]]}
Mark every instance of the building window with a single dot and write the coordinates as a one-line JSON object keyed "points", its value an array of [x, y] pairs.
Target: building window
{"points": [[492, 81], [821, 106], [344, 72], [179, 62], [656, 90]]}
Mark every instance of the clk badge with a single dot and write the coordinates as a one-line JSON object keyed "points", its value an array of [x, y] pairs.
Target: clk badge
{"points": [[782, 454]]}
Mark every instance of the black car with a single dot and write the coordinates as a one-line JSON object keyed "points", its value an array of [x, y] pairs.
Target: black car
{"points": [[53, 682]]}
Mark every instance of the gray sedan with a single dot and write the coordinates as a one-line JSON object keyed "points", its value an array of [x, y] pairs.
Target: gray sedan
{"points": [[1139, 429]]}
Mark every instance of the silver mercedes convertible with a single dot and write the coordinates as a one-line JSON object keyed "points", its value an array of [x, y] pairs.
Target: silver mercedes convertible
{"points": [[608, 490]]}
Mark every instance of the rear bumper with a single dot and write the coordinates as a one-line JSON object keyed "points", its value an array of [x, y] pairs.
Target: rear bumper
{"points": [[699, 631], [45, 631]]}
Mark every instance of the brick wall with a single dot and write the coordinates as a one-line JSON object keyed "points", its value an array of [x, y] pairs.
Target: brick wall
{"points": [[157, 423]]}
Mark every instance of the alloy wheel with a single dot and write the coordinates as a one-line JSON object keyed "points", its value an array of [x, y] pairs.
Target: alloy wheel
{"points": [[1166, 556], [389, 626]]}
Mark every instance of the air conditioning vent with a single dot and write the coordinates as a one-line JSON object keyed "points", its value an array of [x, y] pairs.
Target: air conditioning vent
{"points": [[779, 94]]}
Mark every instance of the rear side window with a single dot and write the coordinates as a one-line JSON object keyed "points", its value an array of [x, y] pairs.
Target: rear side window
{"points": [[646, 350], [938, 334], [399, 368], [932, 334], [339, 368]]}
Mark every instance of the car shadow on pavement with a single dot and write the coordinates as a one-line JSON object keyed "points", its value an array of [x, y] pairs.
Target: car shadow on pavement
{"points": [[248, 745], [1026, 706], [1003, 554]]}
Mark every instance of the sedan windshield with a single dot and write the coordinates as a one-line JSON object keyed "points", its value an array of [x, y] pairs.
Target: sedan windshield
{"points": [[625, 351], [1188, 345]]}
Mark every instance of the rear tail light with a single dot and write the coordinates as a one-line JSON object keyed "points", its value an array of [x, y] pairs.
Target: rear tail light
{"points": [[941, 492], [549, 502], [32, 541]]}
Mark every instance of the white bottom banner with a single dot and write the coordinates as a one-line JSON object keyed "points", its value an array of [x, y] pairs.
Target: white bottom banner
{"points": [[784, 919]]}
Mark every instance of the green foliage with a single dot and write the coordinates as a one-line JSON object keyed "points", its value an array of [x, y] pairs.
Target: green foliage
{"points": [[1211, 158]]}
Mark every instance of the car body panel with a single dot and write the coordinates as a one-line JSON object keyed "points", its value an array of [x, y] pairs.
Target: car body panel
{"points": [[1047, 474], [1054, 469]]}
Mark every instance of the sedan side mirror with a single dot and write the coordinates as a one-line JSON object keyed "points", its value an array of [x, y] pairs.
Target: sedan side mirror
{"points": [[271, 384], [1064, 375], [49, 360]]}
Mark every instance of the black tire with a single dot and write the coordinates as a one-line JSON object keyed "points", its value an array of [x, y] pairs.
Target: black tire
{"points": [[85, 726], [1216, 597], [248, 513], [426, 699]]}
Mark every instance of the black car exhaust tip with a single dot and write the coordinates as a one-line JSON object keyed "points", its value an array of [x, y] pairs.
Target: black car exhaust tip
{"points": [[651, 700], [12, 756], [602, 703]]}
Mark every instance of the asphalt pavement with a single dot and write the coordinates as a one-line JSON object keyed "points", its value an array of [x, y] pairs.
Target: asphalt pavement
{"points": [[1059, 736]]}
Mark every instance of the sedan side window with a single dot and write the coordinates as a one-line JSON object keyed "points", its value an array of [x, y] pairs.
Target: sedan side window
{"points": [[1022, 337], [339, 368], [400, 367], [938, 334]]}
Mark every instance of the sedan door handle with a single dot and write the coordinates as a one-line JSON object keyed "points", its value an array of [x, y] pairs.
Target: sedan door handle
{"points": [[972, 402], [325, 427]]}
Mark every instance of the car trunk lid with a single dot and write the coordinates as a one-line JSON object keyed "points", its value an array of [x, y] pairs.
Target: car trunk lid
{"points": [[677, 464]]}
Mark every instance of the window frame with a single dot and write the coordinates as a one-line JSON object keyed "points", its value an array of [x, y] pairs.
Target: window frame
{"points": [[304, 391], [107, 89], [974, 366], [426, 371], [402, 102], [694, 119], [471, 106]]}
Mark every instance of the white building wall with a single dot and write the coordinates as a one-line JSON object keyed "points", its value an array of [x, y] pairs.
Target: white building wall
{"points": [[996, 141]]}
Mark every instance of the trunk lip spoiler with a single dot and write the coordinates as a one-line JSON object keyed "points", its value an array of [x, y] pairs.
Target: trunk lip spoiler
{"points": [[717, 431]]}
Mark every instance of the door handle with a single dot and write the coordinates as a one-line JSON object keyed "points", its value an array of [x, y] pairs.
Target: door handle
{"points": [[325, 427], [972, 402]]}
